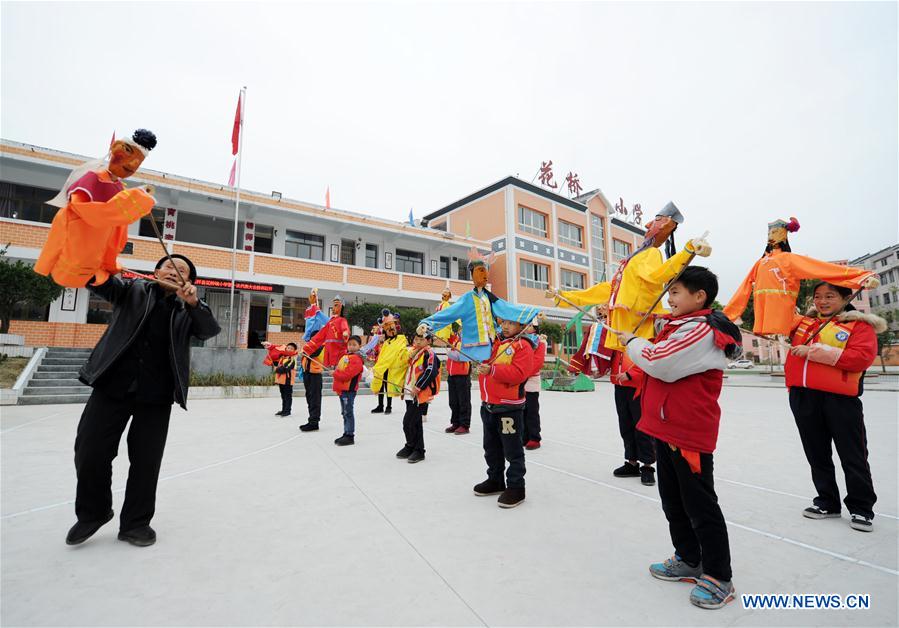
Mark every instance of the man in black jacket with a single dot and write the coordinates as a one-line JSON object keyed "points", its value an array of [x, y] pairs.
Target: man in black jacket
{"points": [[139, 367]]}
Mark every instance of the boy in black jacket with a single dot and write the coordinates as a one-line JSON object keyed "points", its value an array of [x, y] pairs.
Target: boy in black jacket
{"points": [[139, 367]]}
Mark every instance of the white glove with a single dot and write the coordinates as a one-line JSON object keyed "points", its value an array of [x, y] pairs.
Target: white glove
{"points": [[550, 293], [699, 246], [872, 282]]}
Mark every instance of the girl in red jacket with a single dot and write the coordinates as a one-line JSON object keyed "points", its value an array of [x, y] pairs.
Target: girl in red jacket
{"points": [[824, 373], [347, 374]]}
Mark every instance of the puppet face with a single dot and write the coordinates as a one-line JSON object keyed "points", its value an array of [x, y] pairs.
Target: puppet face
{"points": [[479, 276], [313, 297], [777, 235], [389, 328], [445, 296], [336, 308], [659, 229], [124, 159], [167, 272]]}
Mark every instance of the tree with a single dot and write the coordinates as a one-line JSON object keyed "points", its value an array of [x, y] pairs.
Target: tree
{"points": [[364, 315], [552, 331], [19, 284], [885, 341]]}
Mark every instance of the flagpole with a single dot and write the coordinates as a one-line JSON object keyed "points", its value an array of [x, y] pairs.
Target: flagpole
{"points": [[243, 97]]}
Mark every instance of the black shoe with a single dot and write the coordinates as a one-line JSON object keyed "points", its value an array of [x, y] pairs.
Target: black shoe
{"points": [[861, 523], [647, 475], [405, 452], [83, 530], [510, 498], [285, 414], [627, 470], [142, 536], [814, 512], [388, 410], [279, 413], [416, 456], [451, 429], [346, 439], [311, 426], [489, 487], [378, 410]]}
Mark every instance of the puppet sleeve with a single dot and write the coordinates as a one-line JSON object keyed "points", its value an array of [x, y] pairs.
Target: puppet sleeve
{"points": [[594, 295], [737, 304], [649, 270], [122, 209], [448, 315], [802, 267]]}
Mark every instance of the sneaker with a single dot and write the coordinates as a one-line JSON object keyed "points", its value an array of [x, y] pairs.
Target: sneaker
{"points": [[142, 536], [627, 470], [451, 429], [711, 593], [675, 570], [862, 523], [511, 497], [814, 512], [647, 475], [489, 487], [378, 410], [346, 439], [461, 430], [416, 456], [311, 426], [83, 530], [405, 452], [532, 444]]}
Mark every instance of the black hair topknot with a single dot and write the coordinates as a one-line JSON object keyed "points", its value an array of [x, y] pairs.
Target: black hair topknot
{"points": [[145, 138]]}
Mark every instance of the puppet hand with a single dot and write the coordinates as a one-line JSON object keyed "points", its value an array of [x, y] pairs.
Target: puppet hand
{"points": [[624, 337], [550, 293], [800, 350], [266, 344], [699, 246], [871, 282], [603, 310], [188, 294]]}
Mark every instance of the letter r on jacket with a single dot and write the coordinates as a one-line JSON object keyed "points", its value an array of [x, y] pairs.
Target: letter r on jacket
{"points": [[508, 424]]}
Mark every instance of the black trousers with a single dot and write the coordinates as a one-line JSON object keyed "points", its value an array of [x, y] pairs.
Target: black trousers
{"points": [[312, 383], [531, 429], [382, 393], [97, 444], [502, 443], [824, 418], [695, 521], [286, 397], [637, 445], [459, 387], [413, 428]]}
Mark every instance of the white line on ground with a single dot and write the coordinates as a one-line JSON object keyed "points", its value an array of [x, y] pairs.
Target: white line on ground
{"points": [[43, 418]]}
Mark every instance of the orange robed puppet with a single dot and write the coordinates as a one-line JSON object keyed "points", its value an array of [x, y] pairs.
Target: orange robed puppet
{"points": [[773, 282], [91, 228]]}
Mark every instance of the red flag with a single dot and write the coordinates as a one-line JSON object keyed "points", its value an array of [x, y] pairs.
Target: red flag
{"points": [[112, 141], [328, 198], [235, 133], [233, 172]]}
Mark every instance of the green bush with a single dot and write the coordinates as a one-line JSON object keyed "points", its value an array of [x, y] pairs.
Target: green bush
{"points": [[221, 379]]}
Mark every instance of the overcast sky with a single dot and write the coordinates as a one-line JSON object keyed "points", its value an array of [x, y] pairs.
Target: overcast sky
{"points": [[739, 113]]}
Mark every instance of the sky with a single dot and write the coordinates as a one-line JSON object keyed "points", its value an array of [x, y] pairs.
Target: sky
{"points": [[740, 113]]}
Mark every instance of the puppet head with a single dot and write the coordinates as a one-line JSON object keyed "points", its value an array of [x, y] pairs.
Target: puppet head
{"points": [[313, 296], [388, 323], [126, 155], [778, 231], [660, 230], [446, 295], [479, 267], [337, 306]]}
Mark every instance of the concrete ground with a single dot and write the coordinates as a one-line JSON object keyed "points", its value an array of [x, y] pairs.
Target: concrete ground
{"points": [[259, 524]]}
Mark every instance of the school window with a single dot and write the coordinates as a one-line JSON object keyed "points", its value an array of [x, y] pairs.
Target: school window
{"points": [[444, 267], [24, 202], [304, 245], [570, 234], [263, 238], [533, 275], [462, 266], [532, 221], [371, 255], [572, 280], [146, 229], [292, 310], [202, 229], [886, 298], [620, 250], [409, 261], [597, 248], [348, 252], [884, 261]]}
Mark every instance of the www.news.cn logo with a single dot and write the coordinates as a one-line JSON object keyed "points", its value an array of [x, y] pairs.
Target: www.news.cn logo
{"points": [[793, 601]]}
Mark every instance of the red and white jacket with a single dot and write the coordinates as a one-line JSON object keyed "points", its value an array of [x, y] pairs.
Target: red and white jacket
{"points": [[347, 373], [684, 371], [504, 384], [839, 354]]}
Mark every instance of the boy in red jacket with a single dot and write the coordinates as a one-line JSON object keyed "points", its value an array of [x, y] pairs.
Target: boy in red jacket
{"points": [[502, 411], [684, 371], [347, 374]]}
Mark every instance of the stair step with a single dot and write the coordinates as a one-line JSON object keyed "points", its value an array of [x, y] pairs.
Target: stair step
{"points": [[57, 390], [63, 361], [44, 383], [59, 368], [69, 375], [33, 400]]}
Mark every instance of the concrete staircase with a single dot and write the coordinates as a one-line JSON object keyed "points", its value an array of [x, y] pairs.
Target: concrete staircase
{"points": [[56, 379]]}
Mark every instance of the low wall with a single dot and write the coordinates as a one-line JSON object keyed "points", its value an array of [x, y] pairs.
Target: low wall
{"points": [[211, 360]]}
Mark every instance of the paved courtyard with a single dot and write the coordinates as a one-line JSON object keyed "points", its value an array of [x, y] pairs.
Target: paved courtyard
{"points": [[259, 524]]}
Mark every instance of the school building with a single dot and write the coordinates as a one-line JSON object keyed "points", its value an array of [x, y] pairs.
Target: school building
{"points": [[286, 247]]}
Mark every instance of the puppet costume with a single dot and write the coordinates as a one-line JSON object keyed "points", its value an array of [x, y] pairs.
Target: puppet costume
{"points": [[390, 368], [91, 228], [773, 282]]}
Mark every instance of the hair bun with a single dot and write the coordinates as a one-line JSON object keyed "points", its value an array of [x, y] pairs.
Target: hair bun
{"points": [[793, 225], [145, 138]]}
